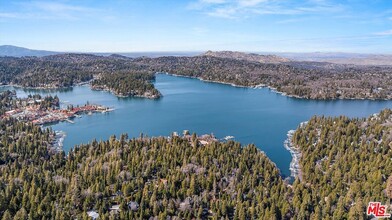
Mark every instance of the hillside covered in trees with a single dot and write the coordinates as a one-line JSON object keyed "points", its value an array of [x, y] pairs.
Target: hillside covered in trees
{"points": [[127, 84], [118, 74], [124, 76], [141, 177], [309, 80], [345, 163]]}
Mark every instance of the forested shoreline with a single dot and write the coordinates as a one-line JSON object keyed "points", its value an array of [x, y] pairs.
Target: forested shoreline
{"points": [[133, 76], [128, 84], [112, 73], [144, 177], [345, 163], [297, 79]]}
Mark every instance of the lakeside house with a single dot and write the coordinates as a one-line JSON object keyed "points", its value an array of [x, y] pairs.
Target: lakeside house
{"points": [[93, 214], [133, 206], [115, 208]]}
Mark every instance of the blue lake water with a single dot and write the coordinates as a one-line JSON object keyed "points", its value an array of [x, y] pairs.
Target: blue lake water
{"points": [[258, 116]]}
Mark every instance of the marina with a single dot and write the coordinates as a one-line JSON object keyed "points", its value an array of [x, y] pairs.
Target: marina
{"points": [[36, 115]]}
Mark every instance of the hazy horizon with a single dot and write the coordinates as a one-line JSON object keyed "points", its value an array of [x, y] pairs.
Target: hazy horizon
{"points": [[203, 51]]}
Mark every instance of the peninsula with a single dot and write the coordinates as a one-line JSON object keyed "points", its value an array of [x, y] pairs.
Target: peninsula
{"points": [[41, 111]]}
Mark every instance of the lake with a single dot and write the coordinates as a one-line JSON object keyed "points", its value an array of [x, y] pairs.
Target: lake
{"points": [[258, 116]]}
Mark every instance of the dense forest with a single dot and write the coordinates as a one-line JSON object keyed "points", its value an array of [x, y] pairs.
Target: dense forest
{"points": [[145, 177], [309, 80], [345, 163], [128, 84], [123, 76], [61, 71]]}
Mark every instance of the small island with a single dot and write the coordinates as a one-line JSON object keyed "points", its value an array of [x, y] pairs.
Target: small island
{"points": [[136, 84]]}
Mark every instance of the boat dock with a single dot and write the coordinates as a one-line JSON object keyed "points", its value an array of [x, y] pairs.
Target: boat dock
{"points": [[67, 120]]}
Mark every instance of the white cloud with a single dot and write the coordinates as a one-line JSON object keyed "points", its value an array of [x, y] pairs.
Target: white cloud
{"points": [[290, 21], [199, 31], [213, 1], [55, 7], [10, 15], [15, 15], [50, 10], [384, 33], [246, 8], [249, 3], [224, 12]]}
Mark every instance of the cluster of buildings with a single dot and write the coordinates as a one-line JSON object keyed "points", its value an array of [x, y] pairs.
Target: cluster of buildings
{"points": [[203, 139], [34, 114]]}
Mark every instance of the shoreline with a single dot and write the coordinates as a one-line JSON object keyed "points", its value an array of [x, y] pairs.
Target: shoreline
{"points": [[272, 89], [259, 86], [82, 84], [59, 141], [212, 81], [123, 96], [295, 168]]}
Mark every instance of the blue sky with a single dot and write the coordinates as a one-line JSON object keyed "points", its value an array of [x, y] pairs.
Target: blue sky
{"points": [[363, 26]]}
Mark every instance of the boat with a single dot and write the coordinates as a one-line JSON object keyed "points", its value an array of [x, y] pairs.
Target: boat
{"points": [[107, 110], [228, 138]]}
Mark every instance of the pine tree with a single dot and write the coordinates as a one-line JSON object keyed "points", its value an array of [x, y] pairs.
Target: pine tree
{"points": [[389, 187], [7, 216]]}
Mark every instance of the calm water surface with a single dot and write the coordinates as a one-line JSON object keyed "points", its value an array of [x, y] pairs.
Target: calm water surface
{"points": [[257, 116]]}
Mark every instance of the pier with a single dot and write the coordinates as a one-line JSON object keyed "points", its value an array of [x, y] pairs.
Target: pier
{"points": [[67, 120]]}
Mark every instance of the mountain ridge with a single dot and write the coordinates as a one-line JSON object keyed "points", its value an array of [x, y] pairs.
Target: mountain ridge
{"points": [[361, 59], [253, 57], [15, 51]]}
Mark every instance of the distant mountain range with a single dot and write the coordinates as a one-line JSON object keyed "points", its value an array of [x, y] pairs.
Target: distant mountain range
{"points": [[14, 51], [253, 57], [341, 58], [330, 57]]}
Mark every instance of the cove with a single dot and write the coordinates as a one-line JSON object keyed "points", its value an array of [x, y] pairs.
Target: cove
{"points": [[258, 116]]}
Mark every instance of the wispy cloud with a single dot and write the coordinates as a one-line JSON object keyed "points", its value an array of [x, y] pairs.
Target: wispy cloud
{"points": [[10, 15], [49, 10], [250, 3], [16, 15], [213, 1], [384, 33], [292, 20], [245, 8], [199, 31], [55, 7]]}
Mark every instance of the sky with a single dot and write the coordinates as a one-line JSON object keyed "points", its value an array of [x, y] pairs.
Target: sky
{"points": [[361, 26]]}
